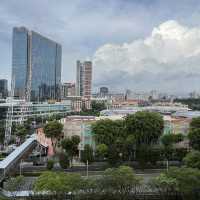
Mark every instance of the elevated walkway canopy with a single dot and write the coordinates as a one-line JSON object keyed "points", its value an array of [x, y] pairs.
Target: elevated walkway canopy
{"points": [[12, 159]]}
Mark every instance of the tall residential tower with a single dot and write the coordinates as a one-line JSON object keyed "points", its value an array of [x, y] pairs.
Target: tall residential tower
{"points": [[84, 79], [36, 66]]}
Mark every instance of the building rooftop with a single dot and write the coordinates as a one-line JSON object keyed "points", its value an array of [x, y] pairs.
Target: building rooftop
{"points": [[188, 114]]}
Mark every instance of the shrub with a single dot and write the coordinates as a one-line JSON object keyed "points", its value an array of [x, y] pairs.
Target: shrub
{"points": [[50, 164], [64, 160]]}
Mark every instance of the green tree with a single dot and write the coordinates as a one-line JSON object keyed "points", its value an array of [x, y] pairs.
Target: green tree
{"points": [[188, 181], [67, 145], [50, 164], [76, 140], [147, 127], [70, 145], [107, 131], [195, 123], [130, 146], [120, 181], [165, 185], [64, 160], [192, 159], [143, 155], [38, 120], [21, 131], [179, 137], [102, 150], [87, 154], [98, 106], [90, 188], [113, 155], [183, 181], [57, 182], [53, 130], [194, 138], [167, 139]]}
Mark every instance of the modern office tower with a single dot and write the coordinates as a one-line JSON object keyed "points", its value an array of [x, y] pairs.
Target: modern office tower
{"points": [[36, 66], [84, 79], [3, 88]]}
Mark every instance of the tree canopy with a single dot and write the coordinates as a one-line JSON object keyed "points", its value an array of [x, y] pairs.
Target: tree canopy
{"points": [[70, 145], [102, 150], [194, 138], [170, 139], [106, 131], [192, 159], [195, 123], [53, 130], [178, 180], [147, 127], [21, 131], [123, 137], [120, 181], [57, 182], [87, 154]]}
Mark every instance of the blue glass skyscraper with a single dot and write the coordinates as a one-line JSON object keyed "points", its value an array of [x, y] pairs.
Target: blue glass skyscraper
{"points": [[36, 66]]}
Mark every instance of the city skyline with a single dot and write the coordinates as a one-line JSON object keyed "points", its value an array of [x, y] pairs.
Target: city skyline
{"points": [[130, 48]]}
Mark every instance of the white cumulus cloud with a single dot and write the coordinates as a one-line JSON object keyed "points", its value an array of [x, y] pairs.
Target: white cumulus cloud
{"points": [[169, 56]]}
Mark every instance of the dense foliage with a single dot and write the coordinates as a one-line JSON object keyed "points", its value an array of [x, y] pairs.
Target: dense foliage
{"points": [[53, 130], [170, 139], [87, 155], [101, 151], [50, 164], [182, 181], [147, 127], [70, 146], [194, 137], [64, 160], [96, 107], [108, 131], [57, 182], [122, 184], [117, 183], [192, 159], [120, 140]]}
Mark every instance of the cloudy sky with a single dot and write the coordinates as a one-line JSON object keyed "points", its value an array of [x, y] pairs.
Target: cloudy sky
{"points": [[134, 44]]}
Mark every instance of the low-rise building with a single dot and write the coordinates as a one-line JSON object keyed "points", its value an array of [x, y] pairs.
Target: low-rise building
{"points": [[22, 110], [176, 125], [81, 126]]}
